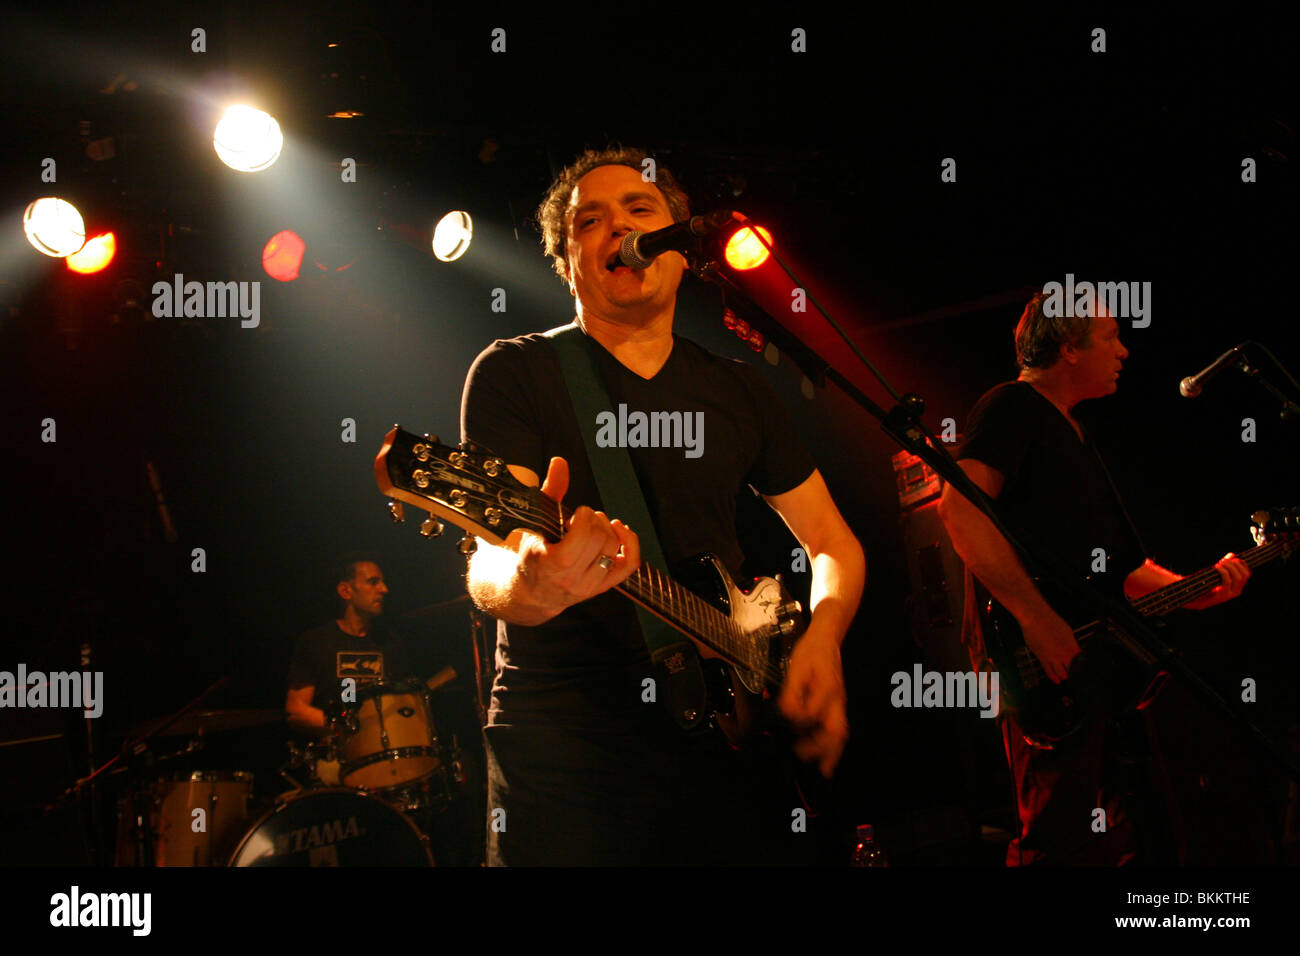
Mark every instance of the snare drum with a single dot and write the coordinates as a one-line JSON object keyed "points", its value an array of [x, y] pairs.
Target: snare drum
{"points": [[388, 740], [193, 818], [333, 827]]}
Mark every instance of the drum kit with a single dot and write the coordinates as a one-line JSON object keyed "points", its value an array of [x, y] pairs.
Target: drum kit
{"points": [[369, 794]]}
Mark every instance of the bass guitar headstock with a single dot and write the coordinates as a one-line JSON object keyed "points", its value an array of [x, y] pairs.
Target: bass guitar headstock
{"points": [[1276, 524]]}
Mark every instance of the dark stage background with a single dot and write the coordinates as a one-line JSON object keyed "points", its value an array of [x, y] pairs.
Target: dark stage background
{"points": [[1123, 165]]}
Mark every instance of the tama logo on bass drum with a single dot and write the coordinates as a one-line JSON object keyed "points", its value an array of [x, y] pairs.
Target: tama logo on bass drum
{"points": [[325, 834]]}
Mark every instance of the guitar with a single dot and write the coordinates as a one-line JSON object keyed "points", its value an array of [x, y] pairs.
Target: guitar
{"points": [[744, 637], [1049, 713]]}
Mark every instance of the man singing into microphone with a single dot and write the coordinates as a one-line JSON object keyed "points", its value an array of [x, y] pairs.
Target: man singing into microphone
{"points": [[583, 770], [1025, 448]]}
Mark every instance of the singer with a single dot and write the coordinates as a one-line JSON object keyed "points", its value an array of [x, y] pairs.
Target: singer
{"points": [[1025, 448], [586, 770]]}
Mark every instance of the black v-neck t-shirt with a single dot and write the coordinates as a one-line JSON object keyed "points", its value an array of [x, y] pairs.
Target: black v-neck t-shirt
{"points": [[584, 669]]}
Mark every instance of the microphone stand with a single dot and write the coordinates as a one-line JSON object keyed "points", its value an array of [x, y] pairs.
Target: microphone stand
{"points": [[903, 424], [1290, 410]]}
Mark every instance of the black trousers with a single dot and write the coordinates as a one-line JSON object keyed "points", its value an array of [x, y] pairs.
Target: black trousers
{"points": [[1062, 795], [562, 798]]}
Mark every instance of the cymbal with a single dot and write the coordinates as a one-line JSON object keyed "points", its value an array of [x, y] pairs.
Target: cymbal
{"points": [[430, 609], [210, 722]]}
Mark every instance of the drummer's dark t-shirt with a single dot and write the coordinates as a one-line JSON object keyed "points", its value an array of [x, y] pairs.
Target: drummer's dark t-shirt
{"points": [[324, 656]]}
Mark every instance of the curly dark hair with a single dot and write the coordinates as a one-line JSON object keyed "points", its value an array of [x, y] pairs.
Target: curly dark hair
{"points": [[1039, 337], [550, 214]]}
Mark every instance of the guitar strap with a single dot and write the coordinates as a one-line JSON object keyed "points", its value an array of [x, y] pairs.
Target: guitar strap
{"points": [[677, 665]]}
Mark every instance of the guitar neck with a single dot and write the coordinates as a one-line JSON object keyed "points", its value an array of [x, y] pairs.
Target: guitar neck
{"points": [[676, 604], [1202, 582], [687, 612]]}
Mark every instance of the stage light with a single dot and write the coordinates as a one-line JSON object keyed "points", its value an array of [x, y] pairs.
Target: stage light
{"points": [[54, 227], [247, 139], [452, 236], [282, 255], [745, 251], [95, 255]]}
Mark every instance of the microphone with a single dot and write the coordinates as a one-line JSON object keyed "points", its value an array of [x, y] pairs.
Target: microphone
{"points": [[639, 249], [1190, 387]]}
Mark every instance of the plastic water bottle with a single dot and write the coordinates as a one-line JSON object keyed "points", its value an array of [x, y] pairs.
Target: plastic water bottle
{"points": [[868, 852]]}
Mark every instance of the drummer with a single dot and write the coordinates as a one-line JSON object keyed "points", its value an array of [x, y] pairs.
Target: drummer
{"points": [[356, 646]]}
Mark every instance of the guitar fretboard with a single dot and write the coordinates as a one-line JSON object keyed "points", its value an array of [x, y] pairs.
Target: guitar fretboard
{"points": [[681, 607], [689, 613], [1193, 586], [1202, 582]]}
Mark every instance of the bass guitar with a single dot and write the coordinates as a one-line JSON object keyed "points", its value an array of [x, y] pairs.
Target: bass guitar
{"points": [[1049, 713]]}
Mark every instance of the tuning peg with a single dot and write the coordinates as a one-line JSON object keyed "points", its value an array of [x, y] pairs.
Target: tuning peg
{"points": [[431, 527], [396, 511], [467, 545]]}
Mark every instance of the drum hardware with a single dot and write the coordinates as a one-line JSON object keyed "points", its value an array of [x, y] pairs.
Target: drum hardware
{"points": [[457, 764], [297, 761], [432, 794], [316, 763], [383, 731]]}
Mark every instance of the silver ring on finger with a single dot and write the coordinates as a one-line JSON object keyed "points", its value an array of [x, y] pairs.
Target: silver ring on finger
{"points": [[605, 561]]}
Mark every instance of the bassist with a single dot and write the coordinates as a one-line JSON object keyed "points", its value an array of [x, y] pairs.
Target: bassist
{"points": [[1025, 448]]}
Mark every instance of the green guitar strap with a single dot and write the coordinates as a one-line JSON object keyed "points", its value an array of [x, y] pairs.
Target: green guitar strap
{"points": [[677, 664]]}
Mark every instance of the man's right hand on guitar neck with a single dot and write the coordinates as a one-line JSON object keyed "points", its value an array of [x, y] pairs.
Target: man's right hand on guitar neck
{"points": [[532, 580]]}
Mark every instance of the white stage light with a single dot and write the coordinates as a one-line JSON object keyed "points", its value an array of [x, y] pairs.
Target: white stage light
{"points": [[247, 139], [54, 227], [452, 236]]}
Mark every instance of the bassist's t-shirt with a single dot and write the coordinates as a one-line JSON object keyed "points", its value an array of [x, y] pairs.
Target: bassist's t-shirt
{"points": [[1056, 496], [584, 669]]}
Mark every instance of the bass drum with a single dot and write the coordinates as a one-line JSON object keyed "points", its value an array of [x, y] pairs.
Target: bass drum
{"points": [[333, 827]]}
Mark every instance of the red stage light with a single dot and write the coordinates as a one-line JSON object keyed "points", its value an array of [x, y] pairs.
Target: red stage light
{"points": [[282, 255], [95, 255], [745, 251]]}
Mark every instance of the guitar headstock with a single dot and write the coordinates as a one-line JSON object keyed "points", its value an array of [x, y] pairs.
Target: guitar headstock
{"points": [[467, 485], [1276, 524]]}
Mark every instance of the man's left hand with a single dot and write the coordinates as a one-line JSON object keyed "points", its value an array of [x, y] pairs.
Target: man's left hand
{"points": [[1234, 572], [813, 700]]}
